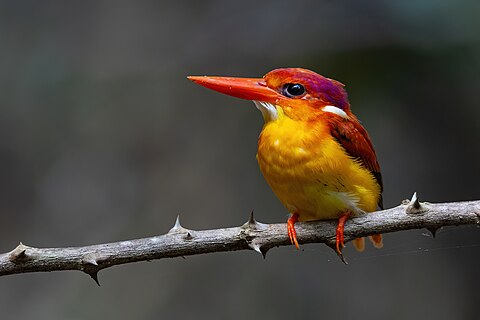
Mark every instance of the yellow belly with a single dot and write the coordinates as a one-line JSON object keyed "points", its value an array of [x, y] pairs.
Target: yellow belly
{"points": [[311, 173]]}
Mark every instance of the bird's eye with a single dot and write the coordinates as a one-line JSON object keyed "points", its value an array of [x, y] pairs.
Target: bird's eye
{"points": [[292, 90]]}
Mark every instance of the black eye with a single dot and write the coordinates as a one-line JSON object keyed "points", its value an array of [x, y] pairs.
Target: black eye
{"points": [[292, 90]]}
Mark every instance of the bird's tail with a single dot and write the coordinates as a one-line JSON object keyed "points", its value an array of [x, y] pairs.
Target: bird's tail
{"points": [[376, 239]]}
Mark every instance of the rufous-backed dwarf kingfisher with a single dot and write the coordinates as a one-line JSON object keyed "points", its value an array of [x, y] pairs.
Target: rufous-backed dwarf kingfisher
{"points": [[314, 153]]}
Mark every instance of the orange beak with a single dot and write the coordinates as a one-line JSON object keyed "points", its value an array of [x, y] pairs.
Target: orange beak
{"points": [[244, 88]]}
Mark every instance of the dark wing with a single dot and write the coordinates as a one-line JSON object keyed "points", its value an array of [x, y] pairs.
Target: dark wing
{"points": [[355, 140]]}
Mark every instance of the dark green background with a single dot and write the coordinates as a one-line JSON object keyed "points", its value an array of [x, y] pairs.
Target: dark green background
{"points": [[102, 138]]}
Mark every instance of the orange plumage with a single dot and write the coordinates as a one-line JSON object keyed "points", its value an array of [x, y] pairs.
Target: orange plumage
{"points": [[313, 152]]}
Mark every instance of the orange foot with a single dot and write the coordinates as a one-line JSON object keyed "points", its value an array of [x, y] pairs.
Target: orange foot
{"points": [[292, 234], [340, 238]]}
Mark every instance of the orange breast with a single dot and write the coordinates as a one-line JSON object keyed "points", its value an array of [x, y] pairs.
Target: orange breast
{"points": [[311, 173]]}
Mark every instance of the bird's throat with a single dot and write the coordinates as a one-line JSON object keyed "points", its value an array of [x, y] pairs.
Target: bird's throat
{"points": [[270, 112]]}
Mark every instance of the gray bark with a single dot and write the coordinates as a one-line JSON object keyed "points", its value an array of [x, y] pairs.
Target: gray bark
{"points": [[252, 235]]}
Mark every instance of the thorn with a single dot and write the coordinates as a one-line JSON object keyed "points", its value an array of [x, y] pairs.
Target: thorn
{"points": [[254, 224], [91, 259], [414, 206], [433, 231], [257, 246], [343, 258], [177, 227], [94, 276], [177, 224], [92, 262], [332, 244], [339, 254], [251, 220], [264, 254], [414, 201], [19, 253]]}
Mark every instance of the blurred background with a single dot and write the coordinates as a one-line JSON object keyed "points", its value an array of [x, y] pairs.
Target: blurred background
{"points": [[103, 139]]}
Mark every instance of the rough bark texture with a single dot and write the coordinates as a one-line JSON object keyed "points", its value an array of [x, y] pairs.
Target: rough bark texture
{"points": [[250, 236]]}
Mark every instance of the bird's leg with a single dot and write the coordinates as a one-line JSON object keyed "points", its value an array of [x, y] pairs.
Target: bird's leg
{"points": [[292, 234], [340, 238]]}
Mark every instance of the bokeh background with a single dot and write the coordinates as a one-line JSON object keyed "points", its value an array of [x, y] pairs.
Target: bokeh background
{"points": [[102, 139]]}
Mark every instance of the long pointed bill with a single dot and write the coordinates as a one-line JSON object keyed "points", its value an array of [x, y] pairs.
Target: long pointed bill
{"points": [[244, 88]]}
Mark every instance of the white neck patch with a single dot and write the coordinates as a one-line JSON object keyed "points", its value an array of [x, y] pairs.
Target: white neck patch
{"points": [[336, 110], [269, 111]]}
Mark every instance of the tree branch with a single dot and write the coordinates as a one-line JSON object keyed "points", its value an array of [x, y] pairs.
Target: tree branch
{"points": [[252, 235]]}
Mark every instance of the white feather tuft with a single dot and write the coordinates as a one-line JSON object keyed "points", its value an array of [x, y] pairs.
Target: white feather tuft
{"points": [[269, 111], [350, 200], [335, 110]]}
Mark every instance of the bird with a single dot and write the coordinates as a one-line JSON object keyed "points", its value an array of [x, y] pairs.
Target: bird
{"points": [[313, 151]]}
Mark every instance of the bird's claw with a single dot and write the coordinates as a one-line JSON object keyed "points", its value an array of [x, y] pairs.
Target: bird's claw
{"points": [[292, 234], [339, 235], [339, 241]]}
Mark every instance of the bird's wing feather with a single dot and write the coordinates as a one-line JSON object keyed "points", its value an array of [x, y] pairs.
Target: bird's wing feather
{"points": [[353, 137]]}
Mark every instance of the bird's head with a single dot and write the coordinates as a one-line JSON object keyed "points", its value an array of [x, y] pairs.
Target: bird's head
{"points": [[297, 93]]}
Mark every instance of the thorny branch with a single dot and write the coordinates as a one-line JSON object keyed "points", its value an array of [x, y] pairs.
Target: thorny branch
{"points": [[253, 235]]}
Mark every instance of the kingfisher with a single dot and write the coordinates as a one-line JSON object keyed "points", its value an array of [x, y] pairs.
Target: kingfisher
{"points": [[312, 151]]}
